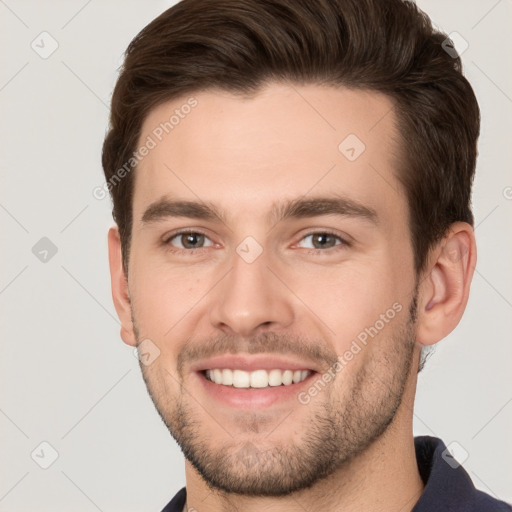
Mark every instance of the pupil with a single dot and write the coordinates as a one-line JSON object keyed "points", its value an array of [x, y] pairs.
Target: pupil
{"points": [[322, 240], [192, 239]]}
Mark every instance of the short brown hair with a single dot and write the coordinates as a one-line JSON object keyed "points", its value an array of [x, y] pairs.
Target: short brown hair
{"points": [[387, 46]]}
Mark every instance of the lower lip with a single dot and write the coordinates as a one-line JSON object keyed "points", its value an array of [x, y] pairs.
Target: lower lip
{"points": [[251, 398]]}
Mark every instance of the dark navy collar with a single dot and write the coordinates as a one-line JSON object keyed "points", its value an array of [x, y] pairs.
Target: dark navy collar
{"points": [[447, 484], [448, 487]]}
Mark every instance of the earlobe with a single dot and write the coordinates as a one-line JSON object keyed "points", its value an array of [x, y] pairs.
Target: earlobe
{"points": [[444, 292], [119, 285]]}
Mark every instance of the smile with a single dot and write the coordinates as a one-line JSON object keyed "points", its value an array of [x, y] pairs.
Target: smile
{"points": [[256, 379]]}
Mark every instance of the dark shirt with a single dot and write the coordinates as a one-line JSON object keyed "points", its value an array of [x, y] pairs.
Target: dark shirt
{"points": [[448, 487]]}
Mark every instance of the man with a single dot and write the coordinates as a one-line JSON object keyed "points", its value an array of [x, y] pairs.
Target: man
{"points": [[291, 183]]}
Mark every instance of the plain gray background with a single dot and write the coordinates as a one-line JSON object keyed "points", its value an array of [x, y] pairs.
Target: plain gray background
{"points": [[66, 377]]}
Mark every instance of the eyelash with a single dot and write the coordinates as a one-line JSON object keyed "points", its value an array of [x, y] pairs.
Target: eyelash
{"points": [[342, 245]]}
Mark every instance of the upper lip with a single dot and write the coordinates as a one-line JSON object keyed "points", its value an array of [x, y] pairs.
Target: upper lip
{"points": [[251, 362]]}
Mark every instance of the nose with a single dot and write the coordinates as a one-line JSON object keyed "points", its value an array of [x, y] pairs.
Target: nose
{"points": [[251, 298]]}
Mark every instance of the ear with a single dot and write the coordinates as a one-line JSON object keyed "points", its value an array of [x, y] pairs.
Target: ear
{"points": [[119, 284], [444, 290]]}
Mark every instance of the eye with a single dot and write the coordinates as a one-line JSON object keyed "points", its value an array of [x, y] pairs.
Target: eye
{"points": [[324, 240], [188, 240]]}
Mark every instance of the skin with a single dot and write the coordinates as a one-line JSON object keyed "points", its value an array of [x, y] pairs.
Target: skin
{"points": [[297, 297]]}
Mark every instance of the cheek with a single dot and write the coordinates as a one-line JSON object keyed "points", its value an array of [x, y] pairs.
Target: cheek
{"points": [[164, 298], [345, 300]]}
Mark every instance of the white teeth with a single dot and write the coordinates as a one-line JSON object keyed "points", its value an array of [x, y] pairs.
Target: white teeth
{"points": [[217, 376], [227, 377], [287, 377], [274, 378], [257, 378], [241, 379]]}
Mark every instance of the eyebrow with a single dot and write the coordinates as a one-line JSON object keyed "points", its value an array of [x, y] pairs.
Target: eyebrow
{"points": [[291, 209]]}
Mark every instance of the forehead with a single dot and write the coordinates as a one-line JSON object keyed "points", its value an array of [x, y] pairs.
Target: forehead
{"points": [[285, 141]]}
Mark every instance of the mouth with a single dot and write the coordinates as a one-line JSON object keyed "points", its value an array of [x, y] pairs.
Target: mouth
{"points": [[257, 379], [253, 382]]}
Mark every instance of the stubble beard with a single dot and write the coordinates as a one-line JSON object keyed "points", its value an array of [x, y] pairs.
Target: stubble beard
{"points": [[339, 429]]}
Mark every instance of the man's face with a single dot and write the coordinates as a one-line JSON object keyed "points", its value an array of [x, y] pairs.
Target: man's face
{"points": [[306, 267]]}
